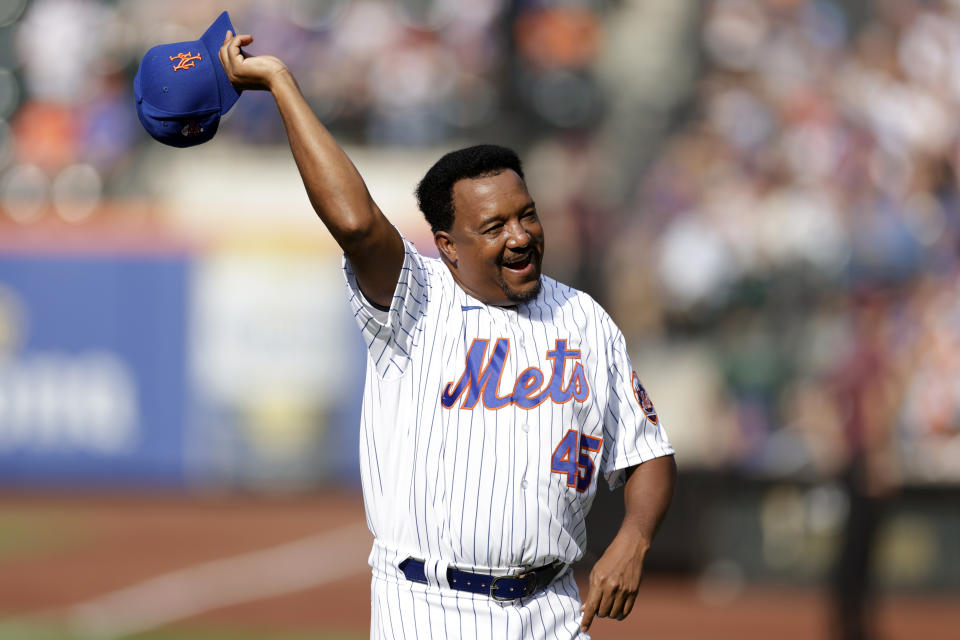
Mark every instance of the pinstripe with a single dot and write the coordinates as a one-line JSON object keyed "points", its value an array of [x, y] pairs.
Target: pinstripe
{"points": [[526, 520], [458, 421], [553, 434], [476, 620], [400, 615], [433, 418], [429, 606], [459, 614], [375, 631], [414, 487], [386, 344], [446, 634], [408, 611], [443, 432], [496, 433], [466, 475], [390, 624], [539, 615], [533, 478], [532, 431], [490, 610], [371, 442], [549, 596]]}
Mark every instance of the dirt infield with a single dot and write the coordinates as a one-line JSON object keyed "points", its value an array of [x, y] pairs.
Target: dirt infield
{"points": [[287, 565]]}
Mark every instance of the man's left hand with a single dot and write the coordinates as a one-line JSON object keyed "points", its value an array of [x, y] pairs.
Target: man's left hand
{"points": [[615, 579]]}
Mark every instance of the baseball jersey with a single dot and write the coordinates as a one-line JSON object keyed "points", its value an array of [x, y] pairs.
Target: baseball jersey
{"points": [[484, 429]]}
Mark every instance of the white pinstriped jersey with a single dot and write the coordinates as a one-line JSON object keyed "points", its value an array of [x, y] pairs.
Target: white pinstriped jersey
{"points": [[484, 428], [446, 477]]}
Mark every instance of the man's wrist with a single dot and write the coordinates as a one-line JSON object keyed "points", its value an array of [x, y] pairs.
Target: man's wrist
{"points": [[635, 538], [281, 80]]}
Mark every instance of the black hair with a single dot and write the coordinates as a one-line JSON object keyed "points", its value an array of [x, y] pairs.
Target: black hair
{"points": [[435, 191]]}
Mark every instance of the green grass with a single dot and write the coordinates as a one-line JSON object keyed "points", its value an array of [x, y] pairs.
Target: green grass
{"points": [[17, 631], [31, 533], [245, 635]]}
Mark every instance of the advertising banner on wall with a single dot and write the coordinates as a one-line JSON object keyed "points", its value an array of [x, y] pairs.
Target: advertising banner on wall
{"points": [[92, 369], [276, 370]]}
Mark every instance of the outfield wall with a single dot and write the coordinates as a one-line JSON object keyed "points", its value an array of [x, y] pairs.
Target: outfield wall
{"points": [[176, 367]]}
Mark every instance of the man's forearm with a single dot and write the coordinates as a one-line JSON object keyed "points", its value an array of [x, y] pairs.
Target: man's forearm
{"points": [[334, 186], [616, 575], [339, 195], [646, 497]]}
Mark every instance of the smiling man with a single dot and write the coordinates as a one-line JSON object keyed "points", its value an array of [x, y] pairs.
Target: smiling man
{"points": [[494, 248], [495, 397]]}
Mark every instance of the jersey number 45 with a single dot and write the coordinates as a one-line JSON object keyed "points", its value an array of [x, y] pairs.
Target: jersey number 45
{"points": [[574, 460]]}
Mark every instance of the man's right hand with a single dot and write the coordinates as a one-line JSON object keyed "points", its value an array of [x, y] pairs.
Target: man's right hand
{"points": [[248, 72]]}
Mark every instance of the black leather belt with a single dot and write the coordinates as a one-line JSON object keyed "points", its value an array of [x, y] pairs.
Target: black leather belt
{"points": [[497, 587]]}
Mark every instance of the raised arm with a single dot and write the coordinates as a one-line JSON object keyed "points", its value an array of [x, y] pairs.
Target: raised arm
{"points": [[334, 186], [616, 576]]}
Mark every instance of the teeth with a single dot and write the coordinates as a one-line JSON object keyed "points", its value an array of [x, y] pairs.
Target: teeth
{"points": [[520, 261]]}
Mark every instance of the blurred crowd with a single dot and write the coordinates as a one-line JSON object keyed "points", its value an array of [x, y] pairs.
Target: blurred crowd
{"points": [[389, 72], [378, 72], [793, 163], [815, 177]]}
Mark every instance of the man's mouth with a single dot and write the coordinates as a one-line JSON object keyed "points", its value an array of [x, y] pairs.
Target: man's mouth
{"points": [[519, 264]]}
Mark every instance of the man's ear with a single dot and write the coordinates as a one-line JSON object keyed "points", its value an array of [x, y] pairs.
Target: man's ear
{"points": [[447, 247]]}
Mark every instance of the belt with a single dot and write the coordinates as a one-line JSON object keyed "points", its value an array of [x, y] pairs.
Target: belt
{"points": [[497, 587]]}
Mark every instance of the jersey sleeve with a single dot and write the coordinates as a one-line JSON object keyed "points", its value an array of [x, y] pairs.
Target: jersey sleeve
{"points": [[633, 432], [390, 335]]}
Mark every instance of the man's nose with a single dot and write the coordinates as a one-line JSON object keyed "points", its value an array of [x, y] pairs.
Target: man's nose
{"points": [[517, 235]]}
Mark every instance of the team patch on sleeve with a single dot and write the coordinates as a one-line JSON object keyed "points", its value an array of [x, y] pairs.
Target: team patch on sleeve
{"points": [[643, 399]]}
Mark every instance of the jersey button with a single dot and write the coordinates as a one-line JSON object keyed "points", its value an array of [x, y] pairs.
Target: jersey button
{"points": [[523, 484], [525, 428]]}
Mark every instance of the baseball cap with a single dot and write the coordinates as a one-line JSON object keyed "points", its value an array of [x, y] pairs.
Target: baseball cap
{"points": [[182, 89]]}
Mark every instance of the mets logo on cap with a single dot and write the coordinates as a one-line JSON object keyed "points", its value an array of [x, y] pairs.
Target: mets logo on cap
{"points": [[643, 399], [185, 60]]}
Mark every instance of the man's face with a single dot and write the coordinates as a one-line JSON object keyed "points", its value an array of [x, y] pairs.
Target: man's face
{"points": [[495, 246]]}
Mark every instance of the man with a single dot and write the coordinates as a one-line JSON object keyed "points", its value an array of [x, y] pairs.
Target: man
{"points": [[492, 396], [868, 392]]}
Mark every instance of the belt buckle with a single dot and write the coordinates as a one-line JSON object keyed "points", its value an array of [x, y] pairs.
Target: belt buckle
{"points": [[522, 576]]}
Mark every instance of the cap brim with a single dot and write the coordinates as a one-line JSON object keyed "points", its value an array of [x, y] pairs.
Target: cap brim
{"points": [[212, 39]]}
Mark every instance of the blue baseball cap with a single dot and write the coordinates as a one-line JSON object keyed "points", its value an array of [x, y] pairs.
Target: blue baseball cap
{"points": [[182, 89]]}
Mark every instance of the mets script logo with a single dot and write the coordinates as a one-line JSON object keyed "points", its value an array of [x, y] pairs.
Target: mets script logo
{"points": [[643, 399], [185, 61], [481, 379]]}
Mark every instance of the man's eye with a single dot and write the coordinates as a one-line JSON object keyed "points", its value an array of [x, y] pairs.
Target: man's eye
{"points": [[530, 214], [493, 229]]}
